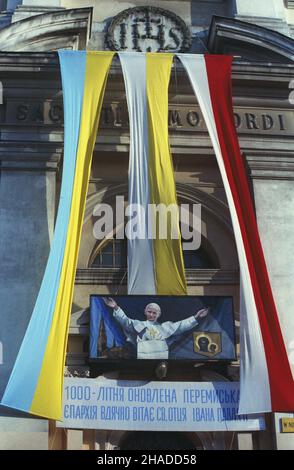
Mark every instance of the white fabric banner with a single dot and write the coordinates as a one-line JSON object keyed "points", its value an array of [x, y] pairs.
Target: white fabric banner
{"points": [[140, 249], [254, 372]]}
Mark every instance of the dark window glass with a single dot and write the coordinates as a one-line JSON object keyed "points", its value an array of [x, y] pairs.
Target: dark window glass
{"points": [[114, 255], [198, 259]]}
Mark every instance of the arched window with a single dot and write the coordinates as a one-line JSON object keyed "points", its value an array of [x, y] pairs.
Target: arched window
{"points": [[198, 259], [114, 255]]}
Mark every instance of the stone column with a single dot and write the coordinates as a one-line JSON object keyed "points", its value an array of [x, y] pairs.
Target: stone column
{"points": [[27, 211], [273, 185]]}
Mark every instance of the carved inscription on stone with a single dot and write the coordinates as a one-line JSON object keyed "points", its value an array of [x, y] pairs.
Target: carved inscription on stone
{"points": [[181, 118], [148, 29], [34, 112], [189, 119]]}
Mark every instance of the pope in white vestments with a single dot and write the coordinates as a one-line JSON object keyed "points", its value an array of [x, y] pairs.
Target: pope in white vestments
{"points": [[149, 335]]}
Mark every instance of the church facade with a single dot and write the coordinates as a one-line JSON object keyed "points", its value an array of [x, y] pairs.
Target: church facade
{"points": [[31, 150]]}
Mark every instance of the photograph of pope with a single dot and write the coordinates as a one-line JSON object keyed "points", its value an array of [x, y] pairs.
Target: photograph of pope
{"points": [[149, 336]]}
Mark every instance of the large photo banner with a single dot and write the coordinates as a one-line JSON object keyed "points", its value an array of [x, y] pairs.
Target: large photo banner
{"points": [[162, 327]]}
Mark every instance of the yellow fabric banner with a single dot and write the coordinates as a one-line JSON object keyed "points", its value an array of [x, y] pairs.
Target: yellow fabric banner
{"points": [[168, 258], [47, 401]]}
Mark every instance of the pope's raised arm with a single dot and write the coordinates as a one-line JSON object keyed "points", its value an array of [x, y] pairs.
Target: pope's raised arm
{"points": [[125, 322], [187, 324]]}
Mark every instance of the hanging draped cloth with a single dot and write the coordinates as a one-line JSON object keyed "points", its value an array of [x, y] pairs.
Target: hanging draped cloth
{"points": [[155, 266], [266, 379], [141, 276], [35, 384]]}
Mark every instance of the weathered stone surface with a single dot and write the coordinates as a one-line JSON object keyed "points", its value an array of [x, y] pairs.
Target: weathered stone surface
{"points": [[57, 29]]}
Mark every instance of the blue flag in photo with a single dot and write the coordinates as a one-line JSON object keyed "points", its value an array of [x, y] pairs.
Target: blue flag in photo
{"points": [[105, 333]]}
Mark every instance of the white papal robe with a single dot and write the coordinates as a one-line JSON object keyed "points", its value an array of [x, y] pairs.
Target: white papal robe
{"points": [[150, 337]]}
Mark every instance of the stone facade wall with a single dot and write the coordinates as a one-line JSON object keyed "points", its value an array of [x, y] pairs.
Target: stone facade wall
{"points": [[31, 145]]}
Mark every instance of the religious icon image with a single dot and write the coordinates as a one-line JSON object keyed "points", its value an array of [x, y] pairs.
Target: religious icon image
{"points": [[207, 343]]}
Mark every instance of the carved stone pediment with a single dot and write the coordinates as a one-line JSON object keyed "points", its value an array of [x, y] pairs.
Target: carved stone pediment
{"points": [[248, 40], [61, 29]]}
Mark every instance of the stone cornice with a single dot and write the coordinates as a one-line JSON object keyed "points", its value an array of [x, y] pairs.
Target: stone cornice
{"points": [[276, 166], [57, 29], [228, 35], [195, 277], [32, 157], [44, 62], [290, 4], [258, 88]]}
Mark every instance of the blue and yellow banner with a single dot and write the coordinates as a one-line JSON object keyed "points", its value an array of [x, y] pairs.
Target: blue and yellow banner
{"points": [[35, 384], [154, 266]]}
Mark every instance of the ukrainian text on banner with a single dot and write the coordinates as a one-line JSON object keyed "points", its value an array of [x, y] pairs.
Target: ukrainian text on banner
{"points": [[154, 406], [46, 338], [264, 361]]}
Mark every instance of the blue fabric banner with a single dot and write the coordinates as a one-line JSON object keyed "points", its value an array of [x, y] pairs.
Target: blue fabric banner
{"points": [[26, 371]]}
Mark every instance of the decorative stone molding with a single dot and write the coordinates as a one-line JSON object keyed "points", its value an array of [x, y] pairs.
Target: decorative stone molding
{"points": [[200, 277], [33, 157], [186, 193], [69, 29], [101, 276], [228, 35], [278, 25], [268, 99], [290, 4], [27, 11], [276, 166], [217, 208], [195, 277]]}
